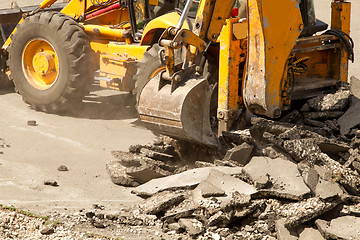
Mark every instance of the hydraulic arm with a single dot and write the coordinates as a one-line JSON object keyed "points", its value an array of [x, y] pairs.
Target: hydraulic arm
{"points": [[264, 62]]}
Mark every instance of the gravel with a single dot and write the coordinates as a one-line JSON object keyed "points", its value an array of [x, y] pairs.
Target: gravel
{"points": [[17, 224]]}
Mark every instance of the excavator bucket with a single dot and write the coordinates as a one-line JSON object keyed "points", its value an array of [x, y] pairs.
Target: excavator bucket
{"points": [[183, 113]]}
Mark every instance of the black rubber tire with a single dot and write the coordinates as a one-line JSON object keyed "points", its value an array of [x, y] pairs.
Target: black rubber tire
{"points": [[146, 68], [4, 79], [75, 56], [151, 62]]}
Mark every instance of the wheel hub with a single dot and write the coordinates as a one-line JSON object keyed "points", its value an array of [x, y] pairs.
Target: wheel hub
{"points": [[40, 64], [44, 63]]}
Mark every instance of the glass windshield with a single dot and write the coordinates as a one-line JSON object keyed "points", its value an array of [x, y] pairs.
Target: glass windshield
{"points": [[140, 13], [193, 9]]}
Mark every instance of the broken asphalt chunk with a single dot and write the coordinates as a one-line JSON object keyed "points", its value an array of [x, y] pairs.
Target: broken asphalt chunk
{"points": [[118, 174], [310, 233], [355, 86], [157, 155], [142, 168], [192, 226], [306, 210], [146, 172], [285, 177], [184, 180], [350, 119], [323, 115], [51, 183], [62, 168], [240, 154], [327, 189], [330, 102], [283, 233], [161, 201], [345, 227], [207, 189], [226, 183]]}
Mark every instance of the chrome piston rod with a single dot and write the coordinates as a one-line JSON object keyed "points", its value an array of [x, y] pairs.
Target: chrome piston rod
{"points": [[184, 14]]}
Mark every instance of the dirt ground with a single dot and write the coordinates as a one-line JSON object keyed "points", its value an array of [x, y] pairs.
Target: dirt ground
{"points": [[81, 141], [107, 121]]}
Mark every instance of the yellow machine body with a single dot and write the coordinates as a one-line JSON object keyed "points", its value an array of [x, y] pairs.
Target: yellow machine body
{"points": [[111, 40], [264, 62]]}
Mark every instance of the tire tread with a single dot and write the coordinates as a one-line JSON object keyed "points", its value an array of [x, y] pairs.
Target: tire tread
{"points": [[77, 46]]}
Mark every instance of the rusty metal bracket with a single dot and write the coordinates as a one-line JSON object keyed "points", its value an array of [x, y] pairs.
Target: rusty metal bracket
{"points": [[181, 37], [173, 38], [176, 78], [185, 36], [227, 114]]}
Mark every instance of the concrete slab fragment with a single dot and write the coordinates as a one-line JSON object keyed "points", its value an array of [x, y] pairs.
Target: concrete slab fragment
{"points": [[356, 166], [284, 175], [311, 178], [142, 168], [117, 173], [219, 219], [227, 163], [146, 172], [299, 213], [346, 227], [330, 102], [350, 119], [182, 180], [355, 86], [240, 154], [192, 226], [310, 233], [161, 201], [327, 189], [323, 115], [228, 184], [283, 233], [207, 189]]}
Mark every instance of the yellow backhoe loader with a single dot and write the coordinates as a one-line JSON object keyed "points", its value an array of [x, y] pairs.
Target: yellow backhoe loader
{"points": [[52, 51], [194, 66], [277, 53]]}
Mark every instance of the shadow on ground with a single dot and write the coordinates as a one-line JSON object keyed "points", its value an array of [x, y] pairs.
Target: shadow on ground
{"points": [[101, 103]]}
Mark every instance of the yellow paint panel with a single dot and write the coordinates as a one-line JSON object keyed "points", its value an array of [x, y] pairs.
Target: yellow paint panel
{"points": [[117, 61], [120, 52], [46, 3], [74, 9], [340, 20], [154, 2], [229, 61], [240, 30], [273, 30], [203, 18], [228, 68], [106, 32], [221, 11], [162, 22]]}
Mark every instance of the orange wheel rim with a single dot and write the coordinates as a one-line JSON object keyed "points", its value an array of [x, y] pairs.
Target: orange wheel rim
{"points": [[40, 63]]}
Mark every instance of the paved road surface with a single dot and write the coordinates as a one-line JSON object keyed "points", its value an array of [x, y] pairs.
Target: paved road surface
{"points": [[81, 141]]}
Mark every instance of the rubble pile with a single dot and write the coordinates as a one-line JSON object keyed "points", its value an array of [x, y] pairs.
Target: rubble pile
{"points": [[297, 178]]}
